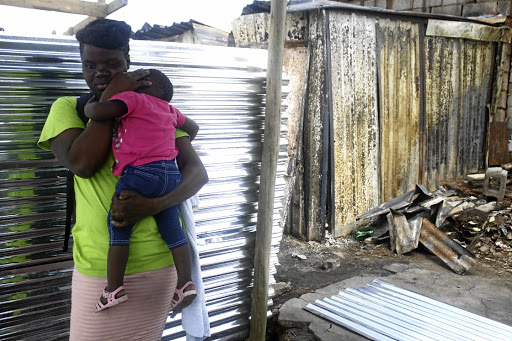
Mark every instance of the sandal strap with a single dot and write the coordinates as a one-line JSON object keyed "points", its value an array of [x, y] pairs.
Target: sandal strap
{"points": [[105, 293], [114, 293], [186, 285], [111, 295]]}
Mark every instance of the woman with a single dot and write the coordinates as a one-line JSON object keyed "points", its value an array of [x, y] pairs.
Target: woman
{"points": [[85, 149]]}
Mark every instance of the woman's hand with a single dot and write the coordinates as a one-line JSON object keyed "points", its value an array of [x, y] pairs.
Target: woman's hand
{"points": [[130, 207], [126, 81]]}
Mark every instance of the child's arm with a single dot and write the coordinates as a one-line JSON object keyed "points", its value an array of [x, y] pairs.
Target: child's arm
{"points": [[125, 81], [101, 111], [190, 127]]}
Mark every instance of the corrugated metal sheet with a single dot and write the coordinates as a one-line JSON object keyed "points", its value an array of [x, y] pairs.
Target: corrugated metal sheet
{"points": [[221, 88], [399, 92], [192, 32], [457, 81], [406, 108], [313, 142], [294, 222], [157, 32], [253, 30], [355, 116], [382, 311]]}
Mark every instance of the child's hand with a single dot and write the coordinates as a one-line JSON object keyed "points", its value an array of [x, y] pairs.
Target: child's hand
{"points": [[93, 99], [87, 109], [126, 81]]}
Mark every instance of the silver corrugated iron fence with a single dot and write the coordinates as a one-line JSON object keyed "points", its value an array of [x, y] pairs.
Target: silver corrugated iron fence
{"points": [[223, 89]]}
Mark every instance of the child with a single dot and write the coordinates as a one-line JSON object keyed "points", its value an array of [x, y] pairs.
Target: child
{"points": [[144, 153]]}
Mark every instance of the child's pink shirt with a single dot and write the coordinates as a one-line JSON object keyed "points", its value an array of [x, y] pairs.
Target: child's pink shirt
{"points": [[146, 132]]}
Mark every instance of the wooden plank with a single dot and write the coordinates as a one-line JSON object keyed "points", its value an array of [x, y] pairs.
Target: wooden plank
{"points": [[268, 170], [72, 30], [480, 32], [111, 7], [93, 9], [115, 5], [498, 144]]}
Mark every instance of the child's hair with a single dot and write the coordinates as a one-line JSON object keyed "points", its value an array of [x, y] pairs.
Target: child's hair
{"points": [[106, 34], [161, 86]]}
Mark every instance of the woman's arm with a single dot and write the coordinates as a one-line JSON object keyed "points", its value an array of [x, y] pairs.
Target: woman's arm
{"points": [[84, 151], [190, 127], [130, 207]]}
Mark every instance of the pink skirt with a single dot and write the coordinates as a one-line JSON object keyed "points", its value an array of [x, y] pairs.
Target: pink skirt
{"points": [[141, 317]]}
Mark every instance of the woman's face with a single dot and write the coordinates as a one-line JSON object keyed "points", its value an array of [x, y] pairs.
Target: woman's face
{"points": [[100, 65]]}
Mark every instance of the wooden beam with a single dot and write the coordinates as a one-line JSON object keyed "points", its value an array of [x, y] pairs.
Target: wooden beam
{"points": [[268, 170], [93, 9], [72, 30], [112, 7], [452, 29], [115, 5]]}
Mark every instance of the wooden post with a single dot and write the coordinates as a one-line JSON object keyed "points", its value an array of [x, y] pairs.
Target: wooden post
{"points": [[268, 170]]}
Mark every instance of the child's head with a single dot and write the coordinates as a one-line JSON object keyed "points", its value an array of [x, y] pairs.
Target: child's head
{"points": [[161, 86]]}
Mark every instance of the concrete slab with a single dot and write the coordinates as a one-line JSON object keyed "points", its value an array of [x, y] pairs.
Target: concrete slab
{"points": [[477, 294]]}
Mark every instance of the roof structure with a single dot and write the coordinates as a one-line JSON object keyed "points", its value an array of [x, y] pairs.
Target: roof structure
{"points": [[257, 7], [158, 32], [185, 32]]}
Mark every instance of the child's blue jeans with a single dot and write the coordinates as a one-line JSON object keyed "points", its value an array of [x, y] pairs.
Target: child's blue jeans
{"points": [[151, 180]]}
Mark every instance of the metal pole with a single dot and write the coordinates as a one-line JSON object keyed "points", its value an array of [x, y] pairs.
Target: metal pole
{"points": [[268, 170]]}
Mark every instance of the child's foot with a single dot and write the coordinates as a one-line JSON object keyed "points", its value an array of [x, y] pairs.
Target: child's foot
{"points": [[110, 299], [183, 298]]}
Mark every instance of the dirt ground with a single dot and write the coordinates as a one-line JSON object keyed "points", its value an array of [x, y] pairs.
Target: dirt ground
{"points": [[301, 269]]}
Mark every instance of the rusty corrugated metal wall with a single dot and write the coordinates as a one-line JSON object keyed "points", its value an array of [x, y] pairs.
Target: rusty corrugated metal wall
{"points": [[221, 88], [355, 116], [313, 130], [457, 81], [405, 108], [399, 106], [399, 92]]}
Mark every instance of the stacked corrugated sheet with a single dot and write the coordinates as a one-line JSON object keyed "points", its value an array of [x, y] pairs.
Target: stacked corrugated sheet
{"points": [[382, 311], [223, 89]]}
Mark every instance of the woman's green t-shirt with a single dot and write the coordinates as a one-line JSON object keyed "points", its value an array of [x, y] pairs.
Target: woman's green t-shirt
{"points": [[93, 196]]}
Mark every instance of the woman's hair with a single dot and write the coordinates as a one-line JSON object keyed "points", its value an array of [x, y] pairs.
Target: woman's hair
{"points": [[161, 86], [106, 34]]}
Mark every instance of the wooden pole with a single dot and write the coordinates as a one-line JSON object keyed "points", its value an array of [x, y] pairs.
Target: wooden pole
{"points": [[268, 170]]}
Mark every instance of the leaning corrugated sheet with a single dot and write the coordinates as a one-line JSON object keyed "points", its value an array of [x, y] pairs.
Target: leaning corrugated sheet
{"points": [[223, 89]]}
